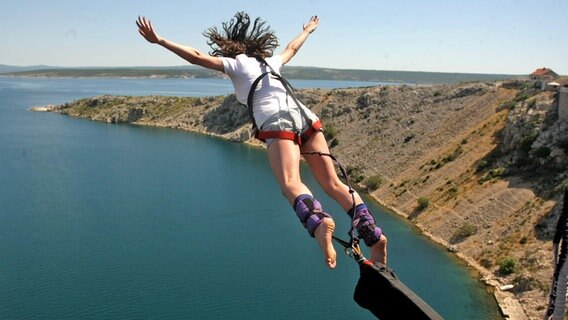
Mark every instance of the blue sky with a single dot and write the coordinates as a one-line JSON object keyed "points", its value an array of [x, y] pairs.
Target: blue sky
{"points": [[484, 36]]}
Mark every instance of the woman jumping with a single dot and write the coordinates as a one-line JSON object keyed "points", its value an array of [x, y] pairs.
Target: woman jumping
{"points": [[244, 51]]}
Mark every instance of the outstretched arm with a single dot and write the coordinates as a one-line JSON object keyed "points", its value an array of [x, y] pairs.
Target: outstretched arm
{"points": [[295, 44], [189, 54]]}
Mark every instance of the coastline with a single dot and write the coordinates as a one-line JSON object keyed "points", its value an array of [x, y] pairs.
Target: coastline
{"points": [[509, 306], [237, 132]]}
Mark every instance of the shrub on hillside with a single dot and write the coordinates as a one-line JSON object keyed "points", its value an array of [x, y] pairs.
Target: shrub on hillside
{"points": [[465, 230], [373, 183], [495, 173], [354, 173], [508, 266], [423, 203], [330, 132]]}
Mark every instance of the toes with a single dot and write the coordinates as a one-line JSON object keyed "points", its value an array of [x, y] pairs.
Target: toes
{"points": [[331, 263]]}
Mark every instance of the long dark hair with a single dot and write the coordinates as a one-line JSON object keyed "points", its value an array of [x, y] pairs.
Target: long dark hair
{"points": [[236, 38]]}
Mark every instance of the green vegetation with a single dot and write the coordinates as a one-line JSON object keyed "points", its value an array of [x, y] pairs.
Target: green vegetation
{"points": [[465, 230], [521, 96], [373, 183], [527, 142], [423, 203], [355, 173], [453, 156], [330, 132], [509, 105], [508, 266], [482, 165], [364, 101], [492, 174], [435, 164], [453, 190]]}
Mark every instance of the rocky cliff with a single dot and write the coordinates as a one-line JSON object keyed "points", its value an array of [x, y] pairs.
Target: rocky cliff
{"points": [[479, 167]]}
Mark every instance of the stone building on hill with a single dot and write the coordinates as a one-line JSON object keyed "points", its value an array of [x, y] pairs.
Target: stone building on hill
{"points": [[543, 74], [541, 77]]}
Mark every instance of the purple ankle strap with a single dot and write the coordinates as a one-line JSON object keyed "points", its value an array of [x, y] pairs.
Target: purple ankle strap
{"points": [[364, 222], [310, 212]]}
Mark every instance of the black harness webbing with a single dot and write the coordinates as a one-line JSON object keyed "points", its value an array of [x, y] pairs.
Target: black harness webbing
{"points": [[557, 298], [249, 100]]}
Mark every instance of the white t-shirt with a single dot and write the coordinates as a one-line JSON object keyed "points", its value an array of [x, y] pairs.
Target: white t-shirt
{"points": [[270, 96]]}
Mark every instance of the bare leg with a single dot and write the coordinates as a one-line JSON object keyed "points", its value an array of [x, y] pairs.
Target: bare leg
{"points": [[284, 158], [324, 171]]}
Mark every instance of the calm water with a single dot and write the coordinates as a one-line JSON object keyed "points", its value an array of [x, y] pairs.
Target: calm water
{"points": [[103, 221]]}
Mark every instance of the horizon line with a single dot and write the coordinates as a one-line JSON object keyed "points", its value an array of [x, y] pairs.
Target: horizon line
{"points": [[194, 66]]}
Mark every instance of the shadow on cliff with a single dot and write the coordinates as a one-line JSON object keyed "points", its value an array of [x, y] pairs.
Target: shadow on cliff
{"points": [[415, 213], [228, 117], [546, 226], [530, 164]]}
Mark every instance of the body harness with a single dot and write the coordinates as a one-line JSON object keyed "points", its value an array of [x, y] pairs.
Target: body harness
{"points": [[296, 135]]}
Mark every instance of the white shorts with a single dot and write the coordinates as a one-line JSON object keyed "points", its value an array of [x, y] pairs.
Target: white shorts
{"points": [[288, 121]]}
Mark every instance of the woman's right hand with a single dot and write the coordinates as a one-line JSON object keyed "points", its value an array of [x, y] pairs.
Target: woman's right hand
{"points": [[146, 30]]}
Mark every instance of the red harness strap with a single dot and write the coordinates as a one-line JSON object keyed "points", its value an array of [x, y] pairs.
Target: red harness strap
{"points": [[299, 138]]}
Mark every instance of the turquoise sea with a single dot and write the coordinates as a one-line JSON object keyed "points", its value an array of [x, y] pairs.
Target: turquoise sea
{"points": [[102, 221]]}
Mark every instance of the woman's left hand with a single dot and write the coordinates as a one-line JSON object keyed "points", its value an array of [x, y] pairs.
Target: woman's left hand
{"points": [[312, 24]]}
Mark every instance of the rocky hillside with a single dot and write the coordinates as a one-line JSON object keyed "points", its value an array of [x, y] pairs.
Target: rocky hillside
{"points": [[480, 168]]}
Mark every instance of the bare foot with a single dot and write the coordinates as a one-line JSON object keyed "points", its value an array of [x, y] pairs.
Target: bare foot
{"points": [[323, 235], [379, 250]]}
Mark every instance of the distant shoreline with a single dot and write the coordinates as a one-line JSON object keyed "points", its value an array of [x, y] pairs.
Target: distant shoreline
{"points": [[291, 72]]}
